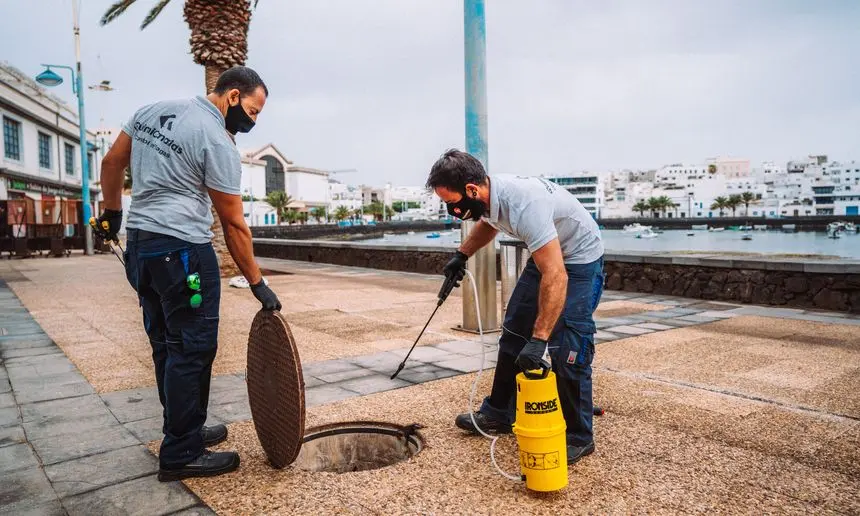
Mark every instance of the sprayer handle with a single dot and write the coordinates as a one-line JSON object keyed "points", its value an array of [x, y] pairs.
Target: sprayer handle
{"points": [[534, 376]]}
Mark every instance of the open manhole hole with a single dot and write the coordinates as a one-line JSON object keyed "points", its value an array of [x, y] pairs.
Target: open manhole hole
{"points": [[357, 446]]}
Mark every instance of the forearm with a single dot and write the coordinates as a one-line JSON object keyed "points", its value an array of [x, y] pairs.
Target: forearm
{"points": [[241, 247], [551, 298], [481, 235], [112, 179]]}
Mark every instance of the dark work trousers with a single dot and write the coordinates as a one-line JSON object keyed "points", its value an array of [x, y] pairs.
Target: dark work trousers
{"points": [[184, 339], [571, 347]]}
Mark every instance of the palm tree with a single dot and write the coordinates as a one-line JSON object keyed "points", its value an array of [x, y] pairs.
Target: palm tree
{"points": [[664, 203], [747, 198], [641, 207], [341, 213], [654, 206], [279, 200], [720, 203], [319, 213], [734, 201], [219, 40], [712, 169]]}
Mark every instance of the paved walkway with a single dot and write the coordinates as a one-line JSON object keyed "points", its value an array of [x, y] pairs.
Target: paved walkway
{"points": [[66, 450]]}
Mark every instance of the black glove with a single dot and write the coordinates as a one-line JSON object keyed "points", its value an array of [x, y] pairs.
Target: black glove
{"points": [[531, 357], [113, 220], [265, 296], [454, 272]]}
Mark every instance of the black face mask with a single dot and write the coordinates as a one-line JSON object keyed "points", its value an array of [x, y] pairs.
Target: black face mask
{"points": [[469, 208], [237, 120]]}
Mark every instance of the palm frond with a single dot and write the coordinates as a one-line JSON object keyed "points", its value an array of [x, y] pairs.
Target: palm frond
{"points": [[115, 11], [255, 3], [153, 14]]}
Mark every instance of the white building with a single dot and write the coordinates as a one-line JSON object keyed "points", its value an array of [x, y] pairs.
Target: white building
{"points": [[40, 157], [586, 187], [308, 187], [344, 195]]}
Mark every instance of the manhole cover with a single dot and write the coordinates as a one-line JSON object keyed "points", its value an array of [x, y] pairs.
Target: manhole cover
{"points": [[357, 446]]}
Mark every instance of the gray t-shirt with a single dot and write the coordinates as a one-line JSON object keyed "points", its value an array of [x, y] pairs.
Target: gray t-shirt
{"points": [[536, 211], [179, 149]]}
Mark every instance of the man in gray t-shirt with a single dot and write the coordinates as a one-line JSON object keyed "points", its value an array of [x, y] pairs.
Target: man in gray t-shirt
{"points": [[550, 310], [183, 161]]}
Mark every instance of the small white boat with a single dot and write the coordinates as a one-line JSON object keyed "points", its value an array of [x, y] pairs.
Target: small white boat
{"points": [[635, 228], [410, 233], [647, 234], [714, 230], [850, 227], [699, 227], [691, 234], [746, 236]]}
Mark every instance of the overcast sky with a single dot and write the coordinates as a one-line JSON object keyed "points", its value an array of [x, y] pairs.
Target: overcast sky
{"points": [[377, 85]]}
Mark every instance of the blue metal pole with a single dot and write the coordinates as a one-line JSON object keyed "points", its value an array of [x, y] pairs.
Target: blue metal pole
{"points": [[85, 178], [476, 80], [483, 263]]}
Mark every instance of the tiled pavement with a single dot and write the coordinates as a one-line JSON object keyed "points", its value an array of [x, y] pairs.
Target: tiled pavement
{"points": [[66, 450]]}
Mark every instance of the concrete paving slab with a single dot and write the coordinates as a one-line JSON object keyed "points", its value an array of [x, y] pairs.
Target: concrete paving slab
{"points": [[326, 366], [431, 354], [102, 469], [629, 330], [605, 335], [22, 343], [134, 404], [227, 382], [358, 372], [426, 373], [63, 409], [230, 412], [27, 352], [61, 426], [7, 400], [380, 362], [17, 456], [326, 394], [11, 435], [145, 430], [468, 364], [9, 416], [25, 491], [717, 314], [372, 384], [462, 347], [142, 496], [696, 318], [655, 326], [53, 450]]}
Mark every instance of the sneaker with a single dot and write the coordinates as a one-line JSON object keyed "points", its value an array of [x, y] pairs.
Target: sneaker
{"points": [[213, 435], [574, 453], [486, 423], [209, 464]]}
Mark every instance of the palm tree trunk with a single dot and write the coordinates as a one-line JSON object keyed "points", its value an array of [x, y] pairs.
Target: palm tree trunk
{"points": [[225, 261]]}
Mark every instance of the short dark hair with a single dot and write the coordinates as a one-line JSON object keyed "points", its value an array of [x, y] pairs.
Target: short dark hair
{"points": [[455, 169], [241, 78]]}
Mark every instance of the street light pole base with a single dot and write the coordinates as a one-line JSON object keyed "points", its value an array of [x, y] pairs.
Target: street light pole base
{"points": [[88, 240]]}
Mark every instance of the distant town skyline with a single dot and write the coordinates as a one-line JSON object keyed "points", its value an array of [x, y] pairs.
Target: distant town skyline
{"points": [[571, 85]]}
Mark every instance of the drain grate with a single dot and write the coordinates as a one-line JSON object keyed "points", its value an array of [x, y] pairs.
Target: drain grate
{"points": [[357, 446]]}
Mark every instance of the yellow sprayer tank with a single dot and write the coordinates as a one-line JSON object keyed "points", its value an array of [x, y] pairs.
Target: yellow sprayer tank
{"points": [[540, 431]]}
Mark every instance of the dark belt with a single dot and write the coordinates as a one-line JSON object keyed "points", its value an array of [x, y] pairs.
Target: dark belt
{"points": [[139, 235]]}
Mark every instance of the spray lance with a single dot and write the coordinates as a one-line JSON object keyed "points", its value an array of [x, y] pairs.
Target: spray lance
{"points": [[447, 287]]}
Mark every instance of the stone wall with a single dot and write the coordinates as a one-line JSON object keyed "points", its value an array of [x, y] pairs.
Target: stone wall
{"points": [[334, 232], [835, 287]]}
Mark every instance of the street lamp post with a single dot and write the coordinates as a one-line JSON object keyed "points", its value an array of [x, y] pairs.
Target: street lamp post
{"points": [[51, 78]]}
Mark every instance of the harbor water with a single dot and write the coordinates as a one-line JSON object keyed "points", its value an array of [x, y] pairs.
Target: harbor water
{"points": [[729, 241]]}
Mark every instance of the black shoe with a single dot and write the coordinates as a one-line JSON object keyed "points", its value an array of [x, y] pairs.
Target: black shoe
{"points": [[574, 453], [209, 464], [213, 435], [486, 423]]}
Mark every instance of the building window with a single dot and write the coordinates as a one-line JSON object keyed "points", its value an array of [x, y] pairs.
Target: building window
{"points": [[12, 138], [90, 166], [70, 159], [44, 150]]}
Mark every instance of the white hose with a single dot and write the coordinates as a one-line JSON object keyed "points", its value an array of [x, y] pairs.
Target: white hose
{"points": [[475, 385]]}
